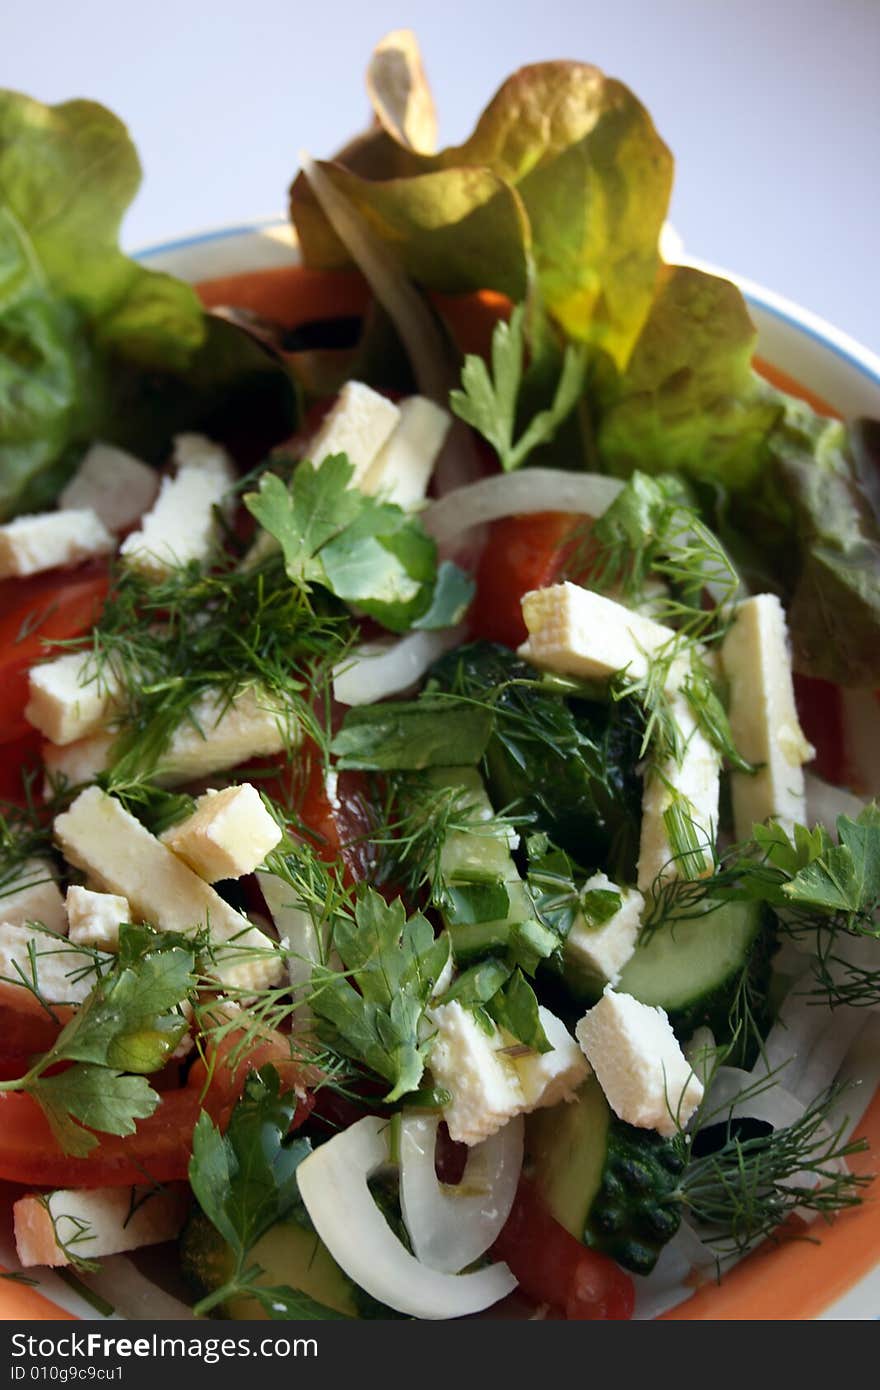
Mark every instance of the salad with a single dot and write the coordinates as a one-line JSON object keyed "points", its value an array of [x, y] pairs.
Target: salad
{"points": [[431, 879]]}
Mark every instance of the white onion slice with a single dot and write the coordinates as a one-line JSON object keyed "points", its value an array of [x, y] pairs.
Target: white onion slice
{"points": [[378, 669], [298, 936], [826, 802], [416, 325], [512, 494], [774, 1105], [132, 1294], [450, 1227], [333, 1185]]}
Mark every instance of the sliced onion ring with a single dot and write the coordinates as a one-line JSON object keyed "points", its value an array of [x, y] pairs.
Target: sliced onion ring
{"points": [[450, 1227], [511, 494], [333, 1184], [379, 669]]}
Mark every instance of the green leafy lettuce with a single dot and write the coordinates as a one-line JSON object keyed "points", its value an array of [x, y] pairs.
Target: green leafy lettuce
{"points": [[562, 188], [92, 344]]}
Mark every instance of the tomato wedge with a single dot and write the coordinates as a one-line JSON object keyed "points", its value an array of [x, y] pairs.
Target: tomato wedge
{"points": [[521, 553], [552, 1267], [34, 612], [158, 1150]]}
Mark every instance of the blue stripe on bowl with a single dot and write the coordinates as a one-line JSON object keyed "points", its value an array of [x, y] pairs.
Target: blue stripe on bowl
{"points": [[249, 228]]}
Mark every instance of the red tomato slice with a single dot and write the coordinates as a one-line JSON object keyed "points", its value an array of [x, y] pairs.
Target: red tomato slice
{"points": [[820, 710], [160, 1148], [521, 553], [32, 613], [219, 1082], [16, 756], [552, 1267]]}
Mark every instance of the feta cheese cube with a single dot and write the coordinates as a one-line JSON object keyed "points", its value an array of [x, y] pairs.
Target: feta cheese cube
{"points": [[69, 698], [95, 918], [763, 718], [60, 1227], [116, 485], [696, 779], [29, 893], [358, 425], [548, 1078], [602, 951], [182, 525], [577, 632], [97, 835], [73, 764], [402, 469], [58, 972], [227, 836], [51, 540], [217, 736], [643, 1072], [470, 1062]]}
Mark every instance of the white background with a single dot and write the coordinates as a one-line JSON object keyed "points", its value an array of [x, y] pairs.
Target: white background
{"points": [[772, 108]]}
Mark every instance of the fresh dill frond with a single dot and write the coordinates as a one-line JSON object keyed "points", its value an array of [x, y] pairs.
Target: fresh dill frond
{"points": [[742, 1188], [653, 532], [163, 646], [415, 818]]}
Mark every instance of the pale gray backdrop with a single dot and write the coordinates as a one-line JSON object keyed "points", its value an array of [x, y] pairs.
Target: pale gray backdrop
{"points": [[772, 107]]}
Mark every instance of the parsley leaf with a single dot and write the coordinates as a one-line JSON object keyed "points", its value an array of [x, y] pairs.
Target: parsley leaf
{"points": [[130, 1023], [515, 1007], [371, 554], [411, 735], [395, 963], [96, 1097], [489, 403], [245, 1181], [844, 877]]}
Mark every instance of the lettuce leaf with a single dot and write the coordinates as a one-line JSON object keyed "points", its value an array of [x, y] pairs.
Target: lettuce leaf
{"points": [[91, 343], [562, 188], [688, 401]]}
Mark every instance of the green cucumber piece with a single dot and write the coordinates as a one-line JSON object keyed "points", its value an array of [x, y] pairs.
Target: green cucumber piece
{"points": [[693, 968], [289, 1253], [612, 1186]]}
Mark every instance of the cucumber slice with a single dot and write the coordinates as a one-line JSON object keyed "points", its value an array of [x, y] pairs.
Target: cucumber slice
{"points": [[693, 968], [565, 1149], [610, 1185], [289, 1254]]}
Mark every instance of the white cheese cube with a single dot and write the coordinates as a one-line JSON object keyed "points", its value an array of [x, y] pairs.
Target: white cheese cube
{"points": [[358, 425], [547, 1078], [114, 484], [471, 1064], [69, 698], [74, 764], [604, 950], [577, 632], [51, 540], [697, 779], [49, 964], [95, 918], [31, 894], [182, 524], [402, 469], [763, 718], [61, 1227], [217, 736], [227, 836], [643, 1072], [97, 835]]}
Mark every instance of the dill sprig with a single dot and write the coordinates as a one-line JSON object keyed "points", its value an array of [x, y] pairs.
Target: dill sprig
{"points": [[746, 1188], [415, 818], [652, 532], [166, 644]]}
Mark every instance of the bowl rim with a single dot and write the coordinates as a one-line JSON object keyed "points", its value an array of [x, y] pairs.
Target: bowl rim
{"points": [[852, 352]]}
